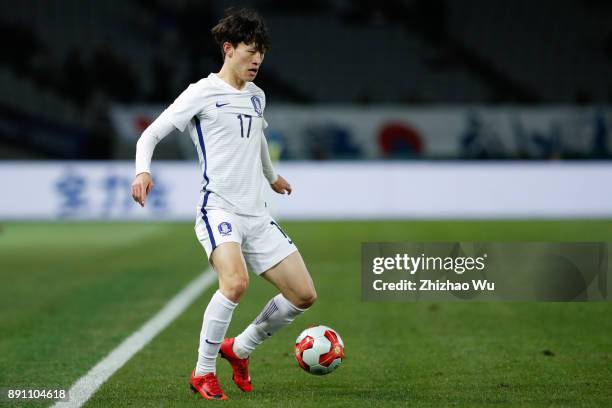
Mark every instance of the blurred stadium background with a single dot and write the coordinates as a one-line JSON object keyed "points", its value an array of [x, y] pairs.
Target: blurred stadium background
{"points": [[68, 65], [350, 85], [410, 110]]}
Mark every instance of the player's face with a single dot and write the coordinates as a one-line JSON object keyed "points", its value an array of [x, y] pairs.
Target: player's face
{"points": [[246, 61]]}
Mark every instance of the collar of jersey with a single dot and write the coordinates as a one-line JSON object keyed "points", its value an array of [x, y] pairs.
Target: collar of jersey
{"points": [[216, 78]]}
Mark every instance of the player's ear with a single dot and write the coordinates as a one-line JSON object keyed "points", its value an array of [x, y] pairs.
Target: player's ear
{"points": [[228, 49]]}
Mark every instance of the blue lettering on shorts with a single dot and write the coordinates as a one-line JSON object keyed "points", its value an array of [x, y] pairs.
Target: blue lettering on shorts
{"points": [[225, 228]]}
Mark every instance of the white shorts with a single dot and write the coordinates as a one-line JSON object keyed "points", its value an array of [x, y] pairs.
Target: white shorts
{"points": [[263, 242]]}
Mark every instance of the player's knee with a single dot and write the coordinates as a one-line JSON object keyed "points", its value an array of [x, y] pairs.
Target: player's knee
{"points": [[306, 299], [235, 288]]}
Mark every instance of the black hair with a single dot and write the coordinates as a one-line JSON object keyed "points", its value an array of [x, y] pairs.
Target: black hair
{"points": [[242, 25]]}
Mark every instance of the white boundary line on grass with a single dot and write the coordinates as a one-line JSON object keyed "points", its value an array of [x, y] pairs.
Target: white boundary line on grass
{"points": [[87, 385]]}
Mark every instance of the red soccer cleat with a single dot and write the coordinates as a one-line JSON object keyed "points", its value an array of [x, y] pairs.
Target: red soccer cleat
{"points": [[239, 365], [207, 385]]}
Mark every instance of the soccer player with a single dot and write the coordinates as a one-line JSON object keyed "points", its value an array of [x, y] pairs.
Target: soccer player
{"points": [[224, 114]]}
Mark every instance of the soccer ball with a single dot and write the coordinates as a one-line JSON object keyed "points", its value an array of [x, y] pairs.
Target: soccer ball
{"points": [[319, 350]]}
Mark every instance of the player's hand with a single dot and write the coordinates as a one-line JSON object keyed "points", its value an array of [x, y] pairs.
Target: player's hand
{"points": [[281, 185], [142, 185]]}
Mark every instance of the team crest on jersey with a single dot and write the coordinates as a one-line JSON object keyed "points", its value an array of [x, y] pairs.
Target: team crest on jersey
{"points": [[257, 105], [225, 228]]}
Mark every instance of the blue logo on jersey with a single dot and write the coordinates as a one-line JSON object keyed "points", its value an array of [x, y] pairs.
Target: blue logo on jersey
{"points": [[221, 104], [257, 105], [225, 228]]}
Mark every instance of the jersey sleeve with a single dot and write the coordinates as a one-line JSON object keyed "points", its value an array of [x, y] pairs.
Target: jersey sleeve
{"points": [[266, 162], [153, 134], [263, 97], [185, 107]]}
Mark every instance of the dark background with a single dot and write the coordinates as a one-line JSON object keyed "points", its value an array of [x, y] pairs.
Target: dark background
{"points": [[66, 62]]}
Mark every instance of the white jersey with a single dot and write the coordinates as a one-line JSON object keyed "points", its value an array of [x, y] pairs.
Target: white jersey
{"points": [[226, 126]]}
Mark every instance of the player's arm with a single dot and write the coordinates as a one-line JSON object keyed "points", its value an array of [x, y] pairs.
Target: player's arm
{"points": [[143, 183], [176, 116], [277, 182]]}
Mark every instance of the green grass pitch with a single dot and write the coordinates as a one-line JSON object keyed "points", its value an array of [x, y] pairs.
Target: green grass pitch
{"points": [[72, 292]]}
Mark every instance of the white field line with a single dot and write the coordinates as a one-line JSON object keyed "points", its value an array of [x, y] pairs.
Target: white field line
{"points": [[87, 385]]}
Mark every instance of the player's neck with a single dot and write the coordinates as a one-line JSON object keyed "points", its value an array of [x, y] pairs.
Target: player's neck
{"points": [[231, 79]]}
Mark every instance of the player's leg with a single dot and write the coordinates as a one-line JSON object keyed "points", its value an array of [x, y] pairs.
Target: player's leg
{"points": [[297, 293], [223, 248], [293, 280], [229, 264], [271, 253]]}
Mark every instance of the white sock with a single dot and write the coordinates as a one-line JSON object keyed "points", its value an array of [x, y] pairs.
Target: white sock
{"points": [[278, 313], [217, 318]]}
